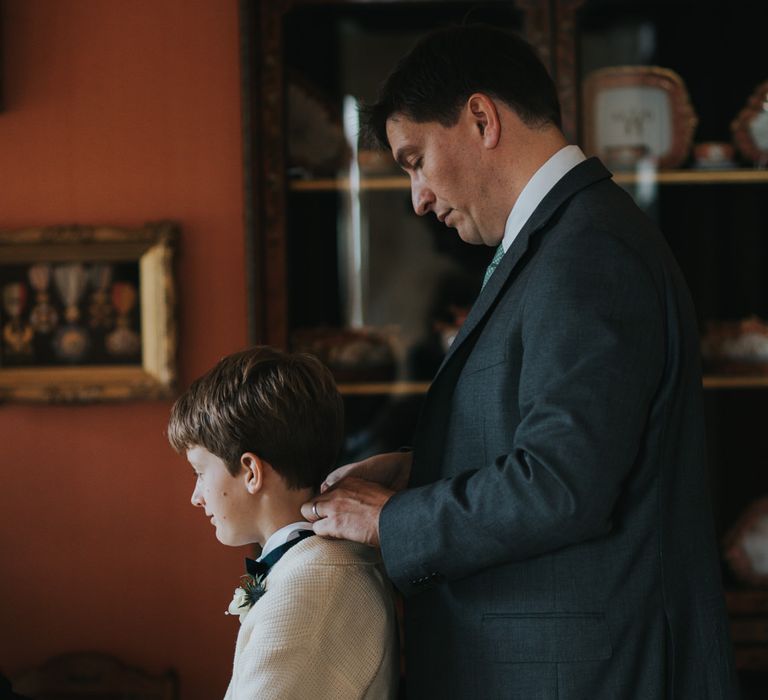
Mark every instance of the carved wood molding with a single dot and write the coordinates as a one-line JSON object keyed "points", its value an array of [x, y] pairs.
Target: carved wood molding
{"points": [[567, 65], [272, 170], [538, 19]]}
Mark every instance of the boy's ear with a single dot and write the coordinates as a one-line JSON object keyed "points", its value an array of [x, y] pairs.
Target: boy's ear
{"points": [[254, 472]]}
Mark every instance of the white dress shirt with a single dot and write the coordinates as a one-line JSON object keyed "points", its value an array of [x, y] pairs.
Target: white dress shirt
{"points": [[283, 535], [543, 180]]}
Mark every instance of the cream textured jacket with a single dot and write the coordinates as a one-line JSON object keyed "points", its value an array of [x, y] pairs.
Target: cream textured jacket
{"points": [[324, 630]]}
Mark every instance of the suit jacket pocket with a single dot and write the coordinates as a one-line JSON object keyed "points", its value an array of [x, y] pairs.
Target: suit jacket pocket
{"points": [[544, 637], [481, 359]]}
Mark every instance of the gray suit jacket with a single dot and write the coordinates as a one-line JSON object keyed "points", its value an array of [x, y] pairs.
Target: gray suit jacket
{"points": [[556, 540]]}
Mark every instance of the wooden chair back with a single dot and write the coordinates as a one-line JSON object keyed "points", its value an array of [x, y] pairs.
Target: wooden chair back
{"points": [[93, 676]]}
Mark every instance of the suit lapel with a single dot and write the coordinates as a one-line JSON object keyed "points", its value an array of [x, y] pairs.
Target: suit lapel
{"points": [[583, 175], [436, 410]]}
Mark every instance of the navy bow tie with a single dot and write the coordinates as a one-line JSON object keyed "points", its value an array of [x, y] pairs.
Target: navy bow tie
{"points": [[259, 569]]}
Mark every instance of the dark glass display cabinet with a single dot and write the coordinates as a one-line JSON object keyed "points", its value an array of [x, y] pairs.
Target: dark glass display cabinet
{"points": [[670, 93]]}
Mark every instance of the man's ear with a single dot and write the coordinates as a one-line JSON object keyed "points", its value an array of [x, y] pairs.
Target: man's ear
{"points": [[253, 472], [484, 116]]}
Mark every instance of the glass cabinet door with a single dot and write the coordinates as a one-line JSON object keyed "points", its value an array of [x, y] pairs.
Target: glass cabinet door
{"points": [[352, 274], [672, 96]]}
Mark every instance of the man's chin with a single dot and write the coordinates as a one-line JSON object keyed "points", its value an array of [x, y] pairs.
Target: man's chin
{"points": [[470, 237]]}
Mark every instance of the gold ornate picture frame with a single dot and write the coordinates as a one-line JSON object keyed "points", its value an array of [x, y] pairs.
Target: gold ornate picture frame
{"points": [[88, 313], [633, 113]]}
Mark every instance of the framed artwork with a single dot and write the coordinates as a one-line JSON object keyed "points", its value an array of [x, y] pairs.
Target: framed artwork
{"points": [[87, 313], [750, 127], [637, 113]]}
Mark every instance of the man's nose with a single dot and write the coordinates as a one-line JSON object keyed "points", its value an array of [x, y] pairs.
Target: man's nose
{"points": [[422, 198]]}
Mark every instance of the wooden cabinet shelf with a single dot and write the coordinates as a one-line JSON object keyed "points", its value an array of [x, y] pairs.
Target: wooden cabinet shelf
{"points": [[409, 387], [665, 177], [716, 381], [330, 184], [748, 609], [694, 177], [381, 388]]}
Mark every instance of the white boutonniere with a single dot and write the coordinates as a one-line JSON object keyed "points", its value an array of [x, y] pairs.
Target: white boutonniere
{"points": [[251, 588]]}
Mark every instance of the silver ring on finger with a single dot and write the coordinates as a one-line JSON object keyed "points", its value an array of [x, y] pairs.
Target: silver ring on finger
{"points": [[314, 511]]}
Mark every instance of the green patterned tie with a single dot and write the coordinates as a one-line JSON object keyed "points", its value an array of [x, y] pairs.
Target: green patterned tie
{"points": [[494, 264]]}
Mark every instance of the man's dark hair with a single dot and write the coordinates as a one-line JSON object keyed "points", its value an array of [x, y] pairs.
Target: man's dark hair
{"points": [[434, 80], [285, 408]]}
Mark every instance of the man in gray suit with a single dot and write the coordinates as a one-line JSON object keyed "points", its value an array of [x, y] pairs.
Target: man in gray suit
{"points": [[551, 530]]}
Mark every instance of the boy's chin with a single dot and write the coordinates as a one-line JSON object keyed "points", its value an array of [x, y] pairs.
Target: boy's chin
{"points": [[225, 538], [231, 539]]}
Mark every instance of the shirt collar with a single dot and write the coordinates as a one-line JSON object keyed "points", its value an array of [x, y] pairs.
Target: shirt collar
{"points": [[543, 180], [283, 535]]}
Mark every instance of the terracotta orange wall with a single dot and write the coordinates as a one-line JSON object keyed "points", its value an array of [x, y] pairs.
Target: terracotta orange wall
{"points": [[119, 113]]}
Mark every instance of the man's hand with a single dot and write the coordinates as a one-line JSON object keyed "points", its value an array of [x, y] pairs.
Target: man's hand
{"points": [[391, 470], [348, 511]]}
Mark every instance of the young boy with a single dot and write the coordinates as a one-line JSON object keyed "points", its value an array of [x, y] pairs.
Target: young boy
{"points": [[261, 431]]}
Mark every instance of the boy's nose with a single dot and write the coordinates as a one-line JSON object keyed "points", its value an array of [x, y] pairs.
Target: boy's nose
{"points": [[197, 499]]}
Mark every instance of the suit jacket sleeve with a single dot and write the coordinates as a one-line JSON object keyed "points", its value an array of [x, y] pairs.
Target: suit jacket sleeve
{"points": [[593, 343]]}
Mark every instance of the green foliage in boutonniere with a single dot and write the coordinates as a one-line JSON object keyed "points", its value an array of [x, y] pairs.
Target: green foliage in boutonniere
{"points": [[250, 590]]}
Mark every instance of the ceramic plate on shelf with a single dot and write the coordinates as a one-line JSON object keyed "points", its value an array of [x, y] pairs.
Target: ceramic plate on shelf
{"points": [[637, 113], [750, 127]]}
